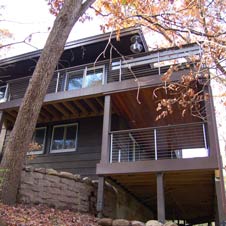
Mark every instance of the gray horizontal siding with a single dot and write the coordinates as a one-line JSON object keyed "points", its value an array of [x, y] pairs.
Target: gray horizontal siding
{"points": [[83, 161]]}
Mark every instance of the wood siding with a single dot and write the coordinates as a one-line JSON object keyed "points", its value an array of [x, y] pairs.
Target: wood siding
{"points": [[83, 161]]}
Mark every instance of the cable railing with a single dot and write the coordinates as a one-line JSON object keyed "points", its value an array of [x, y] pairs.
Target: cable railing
{"points": [[156, 143], [107, 71]]}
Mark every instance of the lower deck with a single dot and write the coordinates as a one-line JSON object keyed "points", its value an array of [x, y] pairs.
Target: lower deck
{"points": [[189, 195]]}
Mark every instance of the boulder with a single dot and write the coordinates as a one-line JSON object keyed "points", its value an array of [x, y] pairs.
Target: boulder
{"points": [[52, 172], [105, 222], [77, 177], [137, 223], [40, 170], [87, 180], [66, 175], [170, 224], [120, 222], [153, 223]]}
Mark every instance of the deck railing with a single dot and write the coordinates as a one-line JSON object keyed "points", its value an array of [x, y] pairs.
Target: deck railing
{"points": [[140, 65], [155, 143]]}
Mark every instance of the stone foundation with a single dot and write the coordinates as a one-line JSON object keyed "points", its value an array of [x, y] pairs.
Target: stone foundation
{"points": [[67, 191]]}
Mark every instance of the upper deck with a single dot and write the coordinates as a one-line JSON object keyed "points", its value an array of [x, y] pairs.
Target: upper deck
{"points": [[104, 76]]}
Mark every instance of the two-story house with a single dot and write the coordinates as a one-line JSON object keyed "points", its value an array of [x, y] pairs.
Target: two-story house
{"points": [[98, 119]]}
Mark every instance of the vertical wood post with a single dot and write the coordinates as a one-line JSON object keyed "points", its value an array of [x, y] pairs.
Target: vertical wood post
{"points": [[220, 216], [160, 198], [1, 120], [215, 148], [212, 125], [100, 197], [106, 129], [2, 134]]}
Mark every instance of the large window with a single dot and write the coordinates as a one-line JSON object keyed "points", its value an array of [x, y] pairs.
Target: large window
{"points": [[64, 138], [85, 78], [38, 141]]}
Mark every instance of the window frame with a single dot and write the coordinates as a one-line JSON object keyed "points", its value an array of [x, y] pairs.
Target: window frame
{"points": [[84, 75], [92, 69], [41, 151], [4, 99], [53, 151]]}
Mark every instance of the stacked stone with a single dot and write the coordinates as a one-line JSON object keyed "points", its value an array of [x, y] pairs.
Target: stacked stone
{"points": [[123, 222], [57, 189]]}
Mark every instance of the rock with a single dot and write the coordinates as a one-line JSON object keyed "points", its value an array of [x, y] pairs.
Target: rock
{"points": [[153, 223], [77, 177], [40, 170], [28, 168], [66, 175], [87, 180], [120, 222], [105, 222], [52, 172], [137, 223], [170, 224]]}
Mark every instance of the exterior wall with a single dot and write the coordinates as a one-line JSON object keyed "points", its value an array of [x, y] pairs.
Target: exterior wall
{"points": [[68, 191], [82, 161]]}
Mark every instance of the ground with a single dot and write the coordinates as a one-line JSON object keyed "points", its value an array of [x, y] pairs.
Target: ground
{"points": [[26, 215]]}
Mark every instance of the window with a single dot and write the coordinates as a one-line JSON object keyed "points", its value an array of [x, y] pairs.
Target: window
{"points": [[3, 93], [94, 77], [74, 80], [85, 78], [64, 138], [39, 138]]}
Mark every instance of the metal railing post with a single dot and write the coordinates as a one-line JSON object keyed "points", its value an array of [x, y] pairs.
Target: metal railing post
{"points": [[57, 84], [120, 71], [119, 155], [155, 137], [204, 136], [111, 147]]}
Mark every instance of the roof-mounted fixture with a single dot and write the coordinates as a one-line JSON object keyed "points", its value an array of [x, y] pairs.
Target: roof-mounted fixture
{"points": [[136, 46]]}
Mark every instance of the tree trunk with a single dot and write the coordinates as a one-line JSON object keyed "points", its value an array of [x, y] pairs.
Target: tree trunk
{"points": [[21, 134]]}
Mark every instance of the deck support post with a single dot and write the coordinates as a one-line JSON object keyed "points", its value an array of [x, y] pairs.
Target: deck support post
{"points": [[2, 133], [220, 217], [100, 197], [215, 153], [160, 198], [1, 120], [106, 129]]}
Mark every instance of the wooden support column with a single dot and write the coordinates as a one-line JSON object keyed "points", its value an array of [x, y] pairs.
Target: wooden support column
{"points": [[2, 133], [212, 125], [215, 150], [106, 129], [1, 120], [160, 198], [100, 197], [220, 216]]}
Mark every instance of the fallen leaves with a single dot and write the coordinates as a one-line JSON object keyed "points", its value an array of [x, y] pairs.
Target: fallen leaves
{"points": [[39, 215]]}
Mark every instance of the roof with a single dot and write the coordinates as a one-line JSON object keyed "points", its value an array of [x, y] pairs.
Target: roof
{"points": [[78, 43]]}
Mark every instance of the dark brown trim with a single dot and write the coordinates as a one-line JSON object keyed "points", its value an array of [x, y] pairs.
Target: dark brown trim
{"points": [[106, 129], [157, 166], [160, 198]]}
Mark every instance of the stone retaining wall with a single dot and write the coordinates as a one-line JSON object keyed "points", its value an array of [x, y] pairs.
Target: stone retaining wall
{"points": [[67, 191]]}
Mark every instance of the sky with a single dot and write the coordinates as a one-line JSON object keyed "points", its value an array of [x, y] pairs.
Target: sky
{"points": [[24, 17]]}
